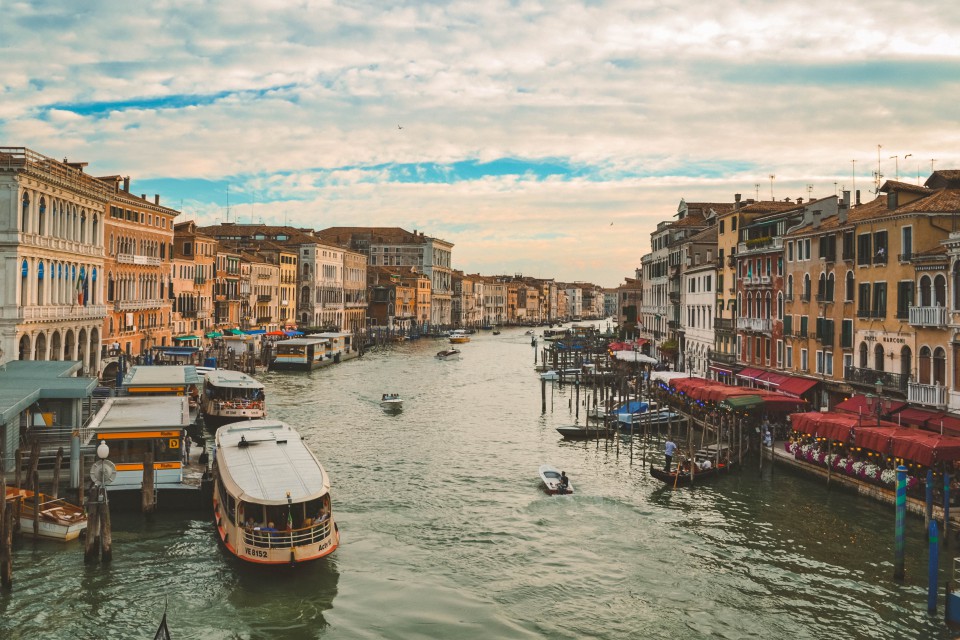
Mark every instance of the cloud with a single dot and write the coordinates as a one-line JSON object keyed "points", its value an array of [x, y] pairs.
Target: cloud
{"points": [[527, 127]]}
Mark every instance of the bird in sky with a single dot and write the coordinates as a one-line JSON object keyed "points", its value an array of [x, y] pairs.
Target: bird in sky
{"points": [[399, 127]]}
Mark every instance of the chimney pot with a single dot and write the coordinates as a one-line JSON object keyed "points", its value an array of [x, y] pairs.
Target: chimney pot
{"points": [[858, 197], [156, 198], [126, 184]]}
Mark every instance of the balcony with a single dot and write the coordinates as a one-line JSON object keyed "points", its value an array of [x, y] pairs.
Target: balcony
{"points": [[723, 324], [822, 298], [933, 395], [869, 377], [754, 324], [904, 257], [263, 276], [788, 297], [928, 316], [188, 313], [723, 358], [673, 324], [264, 319], [760, 245], [804, 297], [674, 296], [137, 305], [129, 258], [63, 312], [264, 297]]}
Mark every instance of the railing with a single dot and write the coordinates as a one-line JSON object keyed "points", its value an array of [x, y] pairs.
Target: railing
{"points": [[723, 324], [136, 305], [754, 324], [263, 276], [788, 297], [723, 358], [673, 324], [929, 394], [880, 258], [928, 316], [257, 537], [804, 297], [129, 258], [220, 405], [188, 313], [264, 319], [763, 245], [822, 297], [63, 311], [54, 171], [869, 378], [904, 257], [61, 244], [264, 297]]}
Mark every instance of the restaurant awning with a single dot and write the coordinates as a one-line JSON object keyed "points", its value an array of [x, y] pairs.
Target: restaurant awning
{"points": [[772, 379], [186, 338], [948, 423], [833, 425], [750, 373], [214, 334], [293, 333], [858, 405], [742, 403], [276, 333], [912, 417], [255, 332], [233, 332], [796, 386], [910, 444]]}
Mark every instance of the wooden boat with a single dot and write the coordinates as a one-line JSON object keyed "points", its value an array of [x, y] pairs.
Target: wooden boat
{"points": [[391, 402], [59, 520], [684, 478], [577, 432], [231, 396], [448, 354], [271, 496], [551, 480]]}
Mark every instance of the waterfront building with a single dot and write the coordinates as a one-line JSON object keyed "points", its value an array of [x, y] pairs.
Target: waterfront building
{"points": [[194, 269], [138, 266], [629, 300], [698, 301], [226, 289], [287, 261], [393, 246], [467, 301], [51, 259], [264, 292], [354, 292], [723, 358], [574, 308], [494, 301]]}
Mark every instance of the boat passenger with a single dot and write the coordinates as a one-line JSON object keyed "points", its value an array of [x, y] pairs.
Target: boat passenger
{"points": [[706, 465], [564, 482]]}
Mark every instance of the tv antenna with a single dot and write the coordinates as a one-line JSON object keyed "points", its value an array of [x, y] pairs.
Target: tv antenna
{"points": [[772, 178]]}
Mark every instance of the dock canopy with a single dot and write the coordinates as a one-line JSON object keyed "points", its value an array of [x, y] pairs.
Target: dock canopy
{"points": [[704, 390], [832, 424], [858, 405], [924, 447]]}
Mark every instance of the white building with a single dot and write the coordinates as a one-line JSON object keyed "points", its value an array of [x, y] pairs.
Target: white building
{"points": [[697, 310], [51, 259]]}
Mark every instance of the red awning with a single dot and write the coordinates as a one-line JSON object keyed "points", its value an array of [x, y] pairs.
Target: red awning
{"points": [[858, 405], [641, 341], [779, 402], [924, 447], [750, 374], [772, 379], [796, 386], [912, 417], [834, 425]]}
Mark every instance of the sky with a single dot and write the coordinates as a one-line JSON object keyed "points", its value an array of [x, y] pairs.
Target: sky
{"points": [[546, 138]]}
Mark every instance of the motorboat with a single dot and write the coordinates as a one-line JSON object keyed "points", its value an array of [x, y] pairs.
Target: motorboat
{"points": [[231, 396], [271, 496], [551, 481], [391, 402], [58, 519], [564, 374], [459, 336], [448, 354]]}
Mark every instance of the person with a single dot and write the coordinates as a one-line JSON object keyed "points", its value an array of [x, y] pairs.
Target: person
{"points": [[705, 465], [564, 482], [668, 451]]}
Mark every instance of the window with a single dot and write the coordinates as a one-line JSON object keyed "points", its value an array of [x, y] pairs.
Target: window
{"points": [[846, 334], [863, 302], [904, 298], [787, 325], [828, 363], [803, 326], [848, 252], [906, 243], [863, 249], [803, 360], [830, 283], [779, 353], [707, 283], [847, 361], [848, 292], [733, 224], [880, 247], [790, 251], [939, 366], [806, 248], [879, 300], [819, 362], [721, 227], [789, 357]]}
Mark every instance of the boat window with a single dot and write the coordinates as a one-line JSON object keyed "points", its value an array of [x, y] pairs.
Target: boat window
{"points": [[133, 450]]}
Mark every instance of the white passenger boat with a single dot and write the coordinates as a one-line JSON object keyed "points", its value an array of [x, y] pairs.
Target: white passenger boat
{"points": [[459, 336], [230, 396], [271, 496]]}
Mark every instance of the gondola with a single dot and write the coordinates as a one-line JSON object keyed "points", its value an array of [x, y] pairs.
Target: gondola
{"points": [[585, 433], [684, 479]]}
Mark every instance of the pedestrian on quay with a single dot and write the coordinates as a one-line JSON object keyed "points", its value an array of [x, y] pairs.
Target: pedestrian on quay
{"points": [[668, 451]]}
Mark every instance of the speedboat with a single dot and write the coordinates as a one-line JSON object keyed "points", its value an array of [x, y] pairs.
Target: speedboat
{"points": [[391, 402], [551, 480], [448, 354]]}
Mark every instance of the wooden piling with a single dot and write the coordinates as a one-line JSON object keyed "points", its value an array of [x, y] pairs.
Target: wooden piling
{"points": [[17, 469], [81, 494], [106, 532], [147, 503], [34, 464], [543, 395], [6, 568], [91, 550], [36, 504], [55, 490]]}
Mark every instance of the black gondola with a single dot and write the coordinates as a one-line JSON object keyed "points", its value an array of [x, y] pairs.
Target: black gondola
{"points": [[684, 479]]}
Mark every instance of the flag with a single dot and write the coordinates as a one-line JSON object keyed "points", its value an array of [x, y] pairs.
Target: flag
{"points": [[80, 288]]}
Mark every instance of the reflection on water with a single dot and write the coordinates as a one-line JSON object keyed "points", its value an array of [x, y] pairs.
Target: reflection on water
{"points": [[446, 532]]}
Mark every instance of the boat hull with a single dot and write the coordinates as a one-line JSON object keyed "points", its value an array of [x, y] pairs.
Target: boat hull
{"points": [[684, 479], [258, 548], [551, 481], [581, 433]]}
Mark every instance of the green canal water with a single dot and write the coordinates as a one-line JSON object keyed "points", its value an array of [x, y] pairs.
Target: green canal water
{"points": [[446, 533]]}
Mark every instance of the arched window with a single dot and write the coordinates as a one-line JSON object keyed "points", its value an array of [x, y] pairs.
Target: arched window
{"points": [[767, 303], [83, 225], [863, 355], [95, 233], [878, 357], [822, 287], [850, 287], [41, 214], [24, 284], [25, 213], [780, 305], [940, 291], [40, 274], [806, 286], [740, 304], [925, 292], [790, 286], [956, 285], [924, 366], [830, 283], [940, 366]]}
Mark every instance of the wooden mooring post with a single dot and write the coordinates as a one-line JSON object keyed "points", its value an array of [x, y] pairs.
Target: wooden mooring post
{"points": [[55, 490], [6, 541], [148, 503]]}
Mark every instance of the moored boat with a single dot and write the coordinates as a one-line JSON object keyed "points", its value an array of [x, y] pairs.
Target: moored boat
{"points": [[448, 354], [271, 496], [231, 396], [551, 480], [707, 464], [576, 432], [59, 520]]}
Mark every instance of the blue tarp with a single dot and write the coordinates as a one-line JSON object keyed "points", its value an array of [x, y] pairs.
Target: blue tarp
{"points": [[294, 333], [177, 351], [634, 406], [255, 332]]}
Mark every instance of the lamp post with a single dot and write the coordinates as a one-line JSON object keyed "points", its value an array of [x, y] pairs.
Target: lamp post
{"points": [[875, 403]]}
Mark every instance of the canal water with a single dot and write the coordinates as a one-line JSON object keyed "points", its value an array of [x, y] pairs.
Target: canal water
{"points": [[447, 534]]}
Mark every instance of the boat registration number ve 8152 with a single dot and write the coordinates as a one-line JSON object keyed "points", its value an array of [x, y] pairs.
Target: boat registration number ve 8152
{"points": [[257, 553]]}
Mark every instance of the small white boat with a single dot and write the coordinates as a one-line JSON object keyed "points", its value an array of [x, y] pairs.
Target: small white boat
{"points": [[59, 520], [551, 481], [448, 354], [391, 402]]}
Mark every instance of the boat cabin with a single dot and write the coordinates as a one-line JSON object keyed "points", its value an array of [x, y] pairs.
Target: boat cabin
{"points": [[300, 354], [230, 396], [174, 380]]}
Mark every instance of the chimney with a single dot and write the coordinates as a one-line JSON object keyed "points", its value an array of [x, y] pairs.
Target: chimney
{"points": [[858, 197], [800, 200], [816, 217], [143, 196], [156, 198], [126, 184]]}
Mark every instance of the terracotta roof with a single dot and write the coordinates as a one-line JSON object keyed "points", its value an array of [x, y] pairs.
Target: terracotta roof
{"points": [[873, 209], [944, 178], [691, 220], [346, 235], [232, 231], [894, 185], [708, 235], [943, 201]]}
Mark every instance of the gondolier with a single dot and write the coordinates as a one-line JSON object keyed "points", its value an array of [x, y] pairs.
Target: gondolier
{"points": [[668, 451]]}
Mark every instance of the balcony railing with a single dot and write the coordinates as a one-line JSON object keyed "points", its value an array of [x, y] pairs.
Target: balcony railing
{"points": [[934, 395], [723, 324], [188, 313], [822, 297], [754, 324], [129, 258], [763, 244], [869, 378], [723, 358], [904, 257], [136, 305], [804, 297], [63, 312], [788, 297], [264, 297], [928, 316]]}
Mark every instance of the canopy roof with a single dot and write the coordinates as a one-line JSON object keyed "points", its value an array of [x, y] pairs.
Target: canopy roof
{"points": [[712, 391], [858, 405]]}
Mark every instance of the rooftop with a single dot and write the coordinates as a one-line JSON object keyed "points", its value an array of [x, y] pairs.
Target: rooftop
{"points": [[142, 413], [23, 382]]}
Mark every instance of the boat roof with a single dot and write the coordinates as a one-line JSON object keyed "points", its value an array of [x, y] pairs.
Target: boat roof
{"points": [[330, 334], [232, 379], [274, 466], [161, 376], [301, 342], [141, 413], [23, 382]]}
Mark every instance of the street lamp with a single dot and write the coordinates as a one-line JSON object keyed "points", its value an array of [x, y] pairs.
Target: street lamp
{"points": [[875, 403]]}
